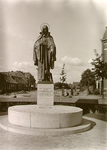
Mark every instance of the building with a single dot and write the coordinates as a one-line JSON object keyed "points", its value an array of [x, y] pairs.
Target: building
{"points": [[30, 80], [16, 81], [104, 54], [7, 84], [76, 85]]}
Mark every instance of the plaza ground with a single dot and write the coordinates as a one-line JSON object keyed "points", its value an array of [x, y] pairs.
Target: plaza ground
{"points": [[94, 139]]}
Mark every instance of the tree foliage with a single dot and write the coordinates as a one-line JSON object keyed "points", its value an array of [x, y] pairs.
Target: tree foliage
{"points": [[87, 78], [59, 85], [100, 67], [63, 74]]}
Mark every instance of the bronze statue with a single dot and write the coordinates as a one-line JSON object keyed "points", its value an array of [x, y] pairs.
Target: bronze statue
{"points": [[44, 54]]}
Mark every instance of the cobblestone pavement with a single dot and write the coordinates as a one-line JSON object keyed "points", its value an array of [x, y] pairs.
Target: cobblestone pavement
{"points": [[94, 139]]}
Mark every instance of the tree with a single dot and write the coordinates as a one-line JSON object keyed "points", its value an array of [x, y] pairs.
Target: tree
{"points": [[63, 78], [100, 69], [59, 85], [63, 74], [87, 78]]}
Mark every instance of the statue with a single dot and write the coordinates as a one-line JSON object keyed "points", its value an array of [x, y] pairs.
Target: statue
{"points": [[44, 54]]}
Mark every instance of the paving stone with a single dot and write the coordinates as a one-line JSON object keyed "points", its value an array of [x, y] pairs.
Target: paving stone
{"points": [[94, 139]]}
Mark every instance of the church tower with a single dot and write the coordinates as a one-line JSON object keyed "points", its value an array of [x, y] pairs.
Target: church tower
{"points": [[104, 54]]}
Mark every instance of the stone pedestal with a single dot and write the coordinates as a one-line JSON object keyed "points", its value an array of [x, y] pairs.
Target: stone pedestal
{"points": [[44, 119], [45, 93], [54, 117]]}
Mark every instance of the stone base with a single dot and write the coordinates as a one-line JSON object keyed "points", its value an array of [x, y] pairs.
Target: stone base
{"points": [[54, 117], [45, 93], [4, 124], [44, 121]]}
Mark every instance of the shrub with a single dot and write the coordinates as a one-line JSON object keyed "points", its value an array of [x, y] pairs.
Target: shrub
{"points": [[96, 92]]}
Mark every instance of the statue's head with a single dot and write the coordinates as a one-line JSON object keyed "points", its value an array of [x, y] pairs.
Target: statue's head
{"points": [[45, 29]]}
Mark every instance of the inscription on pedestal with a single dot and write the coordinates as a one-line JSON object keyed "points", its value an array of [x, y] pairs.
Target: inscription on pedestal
{"points": [[45, 94]]}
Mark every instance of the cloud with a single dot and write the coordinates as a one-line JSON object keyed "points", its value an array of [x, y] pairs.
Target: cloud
{"points": [[22, 65], [74, 67], [73, 72], [89, 61], [25, 67], [72, 60]]}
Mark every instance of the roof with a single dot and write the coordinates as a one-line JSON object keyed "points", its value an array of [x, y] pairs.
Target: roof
{"points": [[4, 73], [9, 79], [20, 80], [76, 83], [105, 35], [16, 77]]}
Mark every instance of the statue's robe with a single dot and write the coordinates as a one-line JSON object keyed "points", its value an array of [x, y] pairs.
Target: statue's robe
{"points": [[44, 55]]}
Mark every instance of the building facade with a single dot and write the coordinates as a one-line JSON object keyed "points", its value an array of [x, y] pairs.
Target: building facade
{"points": [[16, 81], [104, 54]]}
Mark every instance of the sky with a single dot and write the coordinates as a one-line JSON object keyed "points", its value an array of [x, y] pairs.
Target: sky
{"points": [[77, 27]]}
